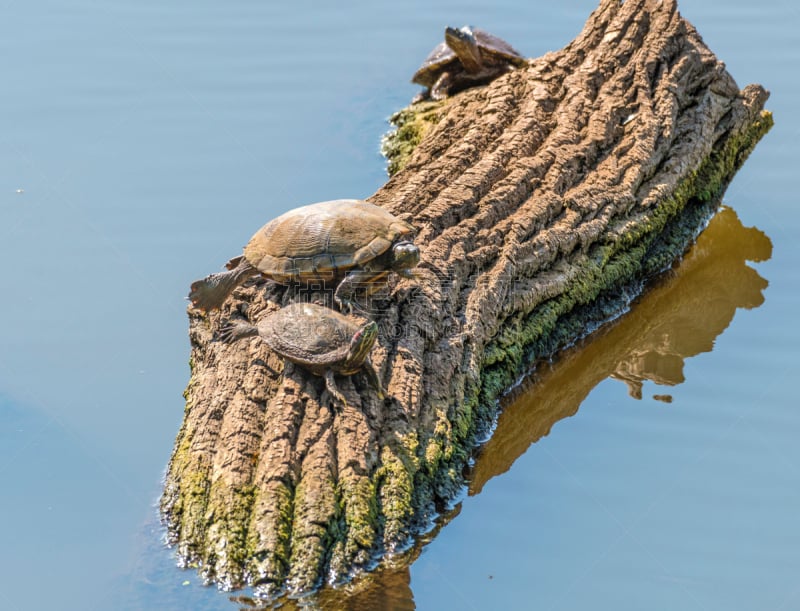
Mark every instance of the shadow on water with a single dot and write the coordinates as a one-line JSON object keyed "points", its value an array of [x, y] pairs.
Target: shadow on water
{"points": [[679, 316]]}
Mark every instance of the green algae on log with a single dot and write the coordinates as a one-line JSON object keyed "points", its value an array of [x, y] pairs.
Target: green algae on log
{"points": [[542, 200], [411, 126]]}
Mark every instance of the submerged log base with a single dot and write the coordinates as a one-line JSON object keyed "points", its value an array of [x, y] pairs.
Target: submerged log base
{"points": [[542, 200]]}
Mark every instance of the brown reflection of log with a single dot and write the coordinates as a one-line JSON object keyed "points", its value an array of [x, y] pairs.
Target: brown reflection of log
{"points": [[388, 588], [679, 317]]}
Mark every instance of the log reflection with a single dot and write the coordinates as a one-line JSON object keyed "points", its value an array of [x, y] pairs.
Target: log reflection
{"points": [[678, 317], [387, 588]]}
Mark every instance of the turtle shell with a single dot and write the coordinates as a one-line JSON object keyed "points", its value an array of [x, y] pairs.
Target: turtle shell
{"points": [[439, 60], [313, 335], [494, 50], [323, 241]]}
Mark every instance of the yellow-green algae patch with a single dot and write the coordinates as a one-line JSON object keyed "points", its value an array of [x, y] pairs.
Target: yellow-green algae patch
{"points": [[269, 557], [228, 517], [411, 126], [396, 486]]}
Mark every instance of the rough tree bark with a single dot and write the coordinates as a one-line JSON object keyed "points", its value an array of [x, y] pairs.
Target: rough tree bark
{"points": [[543, 201]]}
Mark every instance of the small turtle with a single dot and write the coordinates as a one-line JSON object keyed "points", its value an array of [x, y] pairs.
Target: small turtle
{"points": [[346, 239], [319, 339], [467, 57]]}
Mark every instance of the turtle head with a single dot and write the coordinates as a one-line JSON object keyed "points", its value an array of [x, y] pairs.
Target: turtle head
{"points": [[362, 342], [405, 255], [463, 43]]}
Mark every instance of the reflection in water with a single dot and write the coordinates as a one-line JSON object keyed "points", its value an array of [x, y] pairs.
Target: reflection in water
{"points": [[693, 306], [385, 589], [679, 316]]}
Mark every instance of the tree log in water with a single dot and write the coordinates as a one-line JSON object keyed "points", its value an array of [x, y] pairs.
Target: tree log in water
{"points": [[543, 201]]}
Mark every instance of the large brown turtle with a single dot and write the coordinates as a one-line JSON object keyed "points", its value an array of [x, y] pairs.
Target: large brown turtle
{"points": [[467, 57], [346, 239], [319, 339]]}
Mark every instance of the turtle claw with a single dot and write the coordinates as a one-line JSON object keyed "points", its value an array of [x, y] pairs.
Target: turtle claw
{"points": [[225, 333], [235, 330]]}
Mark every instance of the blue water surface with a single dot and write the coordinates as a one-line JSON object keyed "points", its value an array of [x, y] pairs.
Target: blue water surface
{"points": [[142, 143]]}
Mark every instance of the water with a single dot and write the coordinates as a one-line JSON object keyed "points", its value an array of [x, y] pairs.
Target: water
{"points": [[142, 143]]}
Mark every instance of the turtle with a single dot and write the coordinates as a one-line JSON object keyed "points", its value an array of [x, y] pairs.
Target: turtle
{"points": [[319, 339], [467, 57], [350, 240]]}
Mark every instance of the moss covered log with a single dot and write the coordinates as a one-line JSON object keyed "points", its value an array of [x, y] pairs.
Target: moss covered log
{"points": [[543, 200]]}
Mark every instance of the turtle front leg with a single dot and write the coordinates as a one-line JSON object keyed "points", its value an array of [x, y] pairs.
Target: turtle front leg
{"points": [[211, 292], [232, 331], [345, 294], [372, 374], [441, 88], [330, 384]]}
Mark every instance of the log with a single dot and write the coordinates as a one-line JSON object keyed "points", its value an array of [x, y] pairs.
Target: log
{"points": [[543, 201], [682, 314]]}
